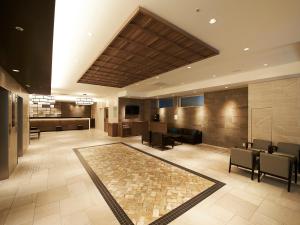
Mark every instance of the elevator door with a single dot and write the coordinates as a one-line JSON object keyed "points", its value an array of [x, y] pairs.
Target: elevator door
{"points": [[20, 126], [4, 144]]}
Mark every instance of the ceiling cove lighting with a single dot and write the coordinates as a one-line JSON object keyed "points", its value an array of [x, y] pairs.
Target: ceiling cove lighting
{"points": [[16, 71], [84, 100], [246, 49], [42, 100], [212, 21]]}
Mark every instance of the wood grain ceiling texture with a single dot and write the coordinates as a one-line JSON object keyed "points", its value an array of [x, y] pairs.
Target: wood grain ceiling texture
{"points": [[147, 46]]}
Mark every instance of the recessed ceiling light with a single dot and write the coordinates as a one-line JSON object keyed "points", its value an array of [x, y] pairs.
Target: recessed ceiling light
{"points": [[157, 77], [266, 64], [90, 34], [17, 71], [214, 76], [246, 49], [19, 28], [212, 21], [189, 67], [226, 87]]}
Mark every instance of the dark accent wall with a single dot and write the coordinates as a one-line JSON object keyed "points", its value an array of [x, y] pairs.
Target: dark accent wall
{"points": [[223, 119], [147, 109], [70, 109]]}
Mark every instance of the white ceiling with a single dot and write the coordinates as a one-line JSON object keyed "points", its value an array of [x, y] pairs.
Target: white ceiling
{"points": [[270, 28]]}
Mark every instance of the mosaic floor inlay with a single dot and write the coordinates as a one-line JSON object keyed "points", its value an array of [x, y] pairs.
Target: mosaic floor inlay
{"points": [[141, 188]]}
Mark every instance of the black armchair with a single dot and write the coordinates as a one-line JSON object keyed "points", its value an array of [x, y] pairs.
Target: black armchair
{"points": [[161, 140], [146, 136]]}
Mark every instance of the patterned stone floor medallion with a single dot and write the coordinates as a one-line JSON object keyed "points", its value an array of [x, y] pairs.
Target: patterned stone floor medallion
{"points": [[141, 188]]}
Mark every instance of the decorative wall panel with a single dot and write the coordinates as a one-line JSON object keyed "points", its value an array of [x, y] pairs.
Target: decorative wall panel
{"points": [[147, 46]]}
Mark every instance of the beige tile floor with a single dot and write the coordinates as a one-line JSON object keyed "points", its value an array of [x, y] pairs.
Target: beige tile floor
{"points": [[50, 186], [146, 188]]}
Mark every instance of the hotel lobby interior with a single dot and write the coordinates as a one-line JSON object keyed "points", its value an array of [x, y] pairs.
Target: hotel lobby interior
{"points": [[144, 112]]}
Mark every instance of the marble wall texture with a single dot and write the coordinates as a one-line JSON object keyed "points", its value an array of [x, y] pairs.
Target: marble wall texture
{"points": [[274, 110], [223, 119], [226, 117]]}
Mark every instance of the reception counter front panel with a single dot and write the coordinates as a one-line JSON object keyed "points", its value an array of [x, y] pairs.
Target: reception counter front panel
{"points": [[52, 124]]}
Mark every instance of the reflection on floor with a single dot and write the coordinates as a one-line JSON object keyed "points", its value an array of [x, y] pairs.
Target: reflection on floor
{"points": [[145, 187], [50, 186]]}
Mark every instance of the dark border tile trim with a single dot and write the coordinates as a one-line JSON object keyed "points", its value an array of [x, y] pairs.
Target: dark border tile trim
{"points": [[167, 218]]}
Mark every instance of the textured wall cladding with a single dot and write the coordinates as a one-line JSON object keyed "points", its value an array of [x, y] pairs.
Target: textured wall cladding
{"points": [[226, 117], [274, 110], [223, 118], [147, 109], [130, 101]]}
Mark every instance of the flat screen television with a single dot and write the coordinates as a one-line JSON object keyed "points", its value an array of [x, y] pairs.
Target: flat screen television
{"points": [[132, 110]]}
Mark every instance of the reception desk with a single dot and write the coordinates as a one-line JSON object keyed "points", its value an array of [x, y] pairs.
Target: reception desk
{"points": [[53, 124]]}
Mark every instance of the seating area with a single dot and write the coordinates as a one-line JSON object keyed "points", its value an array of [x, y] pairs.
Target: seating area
{"points": [[186, 135], [173, 136], [156, 139], [148, 112], [281, 161]]}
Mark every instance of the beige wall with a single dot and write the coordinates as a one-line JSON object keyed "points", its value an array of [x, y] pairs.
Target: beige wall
{"points": [[7, 82], [98, 114], [274, 110]]}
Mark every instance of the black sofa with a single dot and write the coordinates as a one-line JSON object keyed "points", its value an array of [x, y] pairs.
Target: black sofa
{"points": [[192, 136]]}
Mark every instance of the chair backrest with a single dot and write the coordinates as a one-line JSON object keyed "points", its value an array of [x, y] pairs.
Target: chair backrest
{"points": [[146, 134], [241, 157], [275, 164], [261, 144], [289, 148], [156, 137]]}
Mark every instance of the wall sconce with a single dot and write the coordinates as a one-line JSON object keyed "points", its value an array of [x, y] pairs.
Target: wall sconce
{"points": [[175, 117]]}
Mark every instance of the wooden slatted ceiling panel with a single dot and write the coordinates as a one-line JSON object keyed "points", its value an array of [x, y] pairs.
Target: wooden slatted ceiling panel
{"points": [[146, 46]]}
